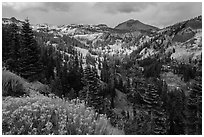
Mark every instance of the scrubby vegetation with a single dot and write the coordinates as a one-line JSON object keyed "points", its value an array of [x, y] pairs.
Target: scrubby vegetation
{"points": [[12, 85], [42, 115]]}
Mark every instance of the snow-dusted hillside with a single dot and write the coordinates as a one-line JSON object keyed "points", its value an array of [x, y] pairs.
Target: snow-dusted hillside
{"points": [[182, 41]]}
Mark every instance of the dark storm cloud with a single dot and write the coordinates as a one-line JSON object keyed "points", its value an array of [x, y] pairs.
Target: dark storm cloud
{"points": [[123, 7]]}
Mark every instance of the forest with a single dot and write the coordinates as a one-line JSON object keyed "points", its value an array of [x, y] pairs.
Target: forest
{"points": [[79, 95]]}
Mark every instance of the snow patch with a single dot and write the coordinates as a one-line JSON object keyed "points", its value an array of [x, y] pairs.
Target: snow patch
{"points": [[89, 37]]}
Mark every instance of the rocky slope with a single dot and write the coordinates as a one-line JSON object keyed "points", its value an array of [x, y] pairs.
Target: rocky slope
{"points": [[181, 41]]}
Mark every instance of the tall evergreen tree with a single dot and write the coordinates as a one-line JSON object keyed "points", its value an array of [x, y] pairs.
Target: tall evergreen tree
{"points": [[105, 71], [75, 74], [147, 95], [111, 88], [63, 78], [30, 66], [14, 47], [93, 96], [135, 92], [5, 43], [175, 110], [58, 64], [194, 108], [154, 105], [48, 62]]}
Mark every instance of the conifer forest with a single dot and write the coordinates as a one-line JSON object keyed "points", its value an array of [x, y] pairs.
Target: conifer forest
{"points": [[79, 79]]}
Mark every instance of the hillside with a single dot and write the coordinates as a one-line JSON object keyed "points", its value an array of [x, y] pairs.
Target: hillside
{"points": [[11, 20], [135, 25], [47, 114], [94, 79], [181, 41], [103, 39]]}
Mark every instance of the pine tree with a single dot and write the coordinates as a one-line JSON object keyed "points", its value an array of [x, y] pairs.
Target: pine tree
{"points": [[154, 105], [58, 61], [93, 96], [14, 47], [75, 74], [56, 87], [63, 78], [111, 88], [147, 95], [44, 60], [105, 71], [30, 66], [51, 63], [48, 62], [5, 43], [194, 108], [175, 110]]}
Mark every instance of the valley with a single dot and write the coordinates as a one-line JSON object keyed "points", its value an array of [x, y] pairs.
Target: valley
{"points": [[139, 78]]}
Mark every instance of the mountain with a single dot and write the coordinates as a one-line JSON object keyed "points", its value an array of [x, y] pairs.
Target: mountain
{"points": [[135, 25], [122, 57], [181, 41], [184, 38], [12, 20]]}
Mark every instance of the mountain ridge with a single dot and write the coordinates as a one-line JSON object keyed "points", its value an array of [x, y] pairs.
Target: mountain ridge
{"points": [[102, 39], [135, 25]]}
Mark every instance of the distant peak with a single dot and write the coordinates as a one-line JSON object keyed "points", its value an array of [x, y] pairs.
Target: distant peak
{"points": [[132, 20], [134, 25], [104, 25], [13, 19]]}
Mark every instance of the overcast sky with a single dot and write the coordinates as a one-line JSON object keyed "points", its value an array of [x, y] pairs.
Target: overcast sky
{"points": [[110, 13]]}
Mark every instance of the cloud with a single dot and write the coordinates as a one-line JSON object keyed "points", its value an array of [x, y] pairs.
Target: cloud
{"points": [[58, 6], [20, 6], [123, 7], [170, 13], [41, 6], [160, 14]]}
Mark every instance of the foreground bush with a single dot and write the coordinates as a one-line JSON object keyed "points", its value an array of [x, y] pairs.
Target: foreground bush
{"points": [[42, 115], [12, 85], [40, 88]]}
